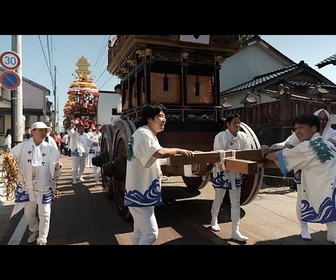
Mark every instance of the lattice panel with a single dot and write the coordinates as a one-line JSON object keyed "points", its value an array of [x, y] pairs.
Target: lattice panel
{"points": [[166, 88], [205, 93]]}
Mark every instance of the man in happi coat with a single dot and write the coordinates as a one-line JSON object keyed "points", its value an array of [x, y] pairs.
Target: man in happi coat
{"points": [[38, 161], [314, 158]]}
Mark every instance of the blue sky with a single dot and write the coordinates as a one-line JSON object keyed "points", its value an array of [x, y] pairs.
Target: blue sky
{"points": [[39, 65], [310, 48], [65, 50]]}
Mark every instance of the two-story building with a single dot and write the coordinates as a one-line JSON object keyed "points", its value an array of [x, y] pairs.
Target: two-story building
{"points": [[268, 89]]}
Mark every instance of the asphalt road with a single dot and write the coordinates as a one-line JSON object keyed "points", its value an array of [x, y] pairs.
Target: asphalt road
{"points": [[83, 216]]}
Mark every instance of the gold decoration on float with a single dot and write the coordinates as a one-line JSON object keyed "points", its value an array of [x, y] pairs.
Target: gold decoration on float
{"points": [[184, 56], [131, 62], [83, 68], [219, 59], [146, 53]]}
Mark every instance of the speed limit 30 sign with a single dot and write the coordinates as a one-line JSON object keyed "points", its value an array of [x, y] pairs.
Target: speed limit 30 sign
{"points": [[10, 60]]}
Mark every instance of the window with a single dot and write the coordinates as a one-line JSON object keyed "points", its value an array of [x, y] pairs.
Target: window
{"points": [[2, 125]]}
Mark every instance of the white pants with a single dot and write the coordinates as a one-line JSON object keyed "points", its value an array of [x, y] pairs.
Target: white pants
{"points": [[40, 222], [302, 224], [234, 201], [78, 166], [331, 227], [96, 172], [89, 160], [145, 227]]}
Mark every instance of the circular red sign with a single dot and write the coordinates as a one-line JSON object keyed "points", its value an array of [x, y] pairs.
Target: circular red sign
{"points": [[10, 60]]}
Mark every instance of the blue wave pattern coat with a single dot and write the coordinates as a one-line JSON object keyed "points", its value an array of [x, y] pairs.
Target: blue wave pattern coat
{"points": [[35, 190], [315, 161], [143, 170]]}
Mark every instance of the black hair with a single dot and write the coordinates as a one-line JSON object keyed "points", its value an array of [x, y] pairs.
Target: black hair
{"points": [[149, 111], [221, 124], [309, 119], [117, 86], [9, 131], [230, 117]]}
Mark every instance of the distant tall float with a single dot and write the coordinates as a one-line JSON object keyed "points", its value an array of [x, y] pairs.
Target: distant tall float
{"points": [[82, 96]]}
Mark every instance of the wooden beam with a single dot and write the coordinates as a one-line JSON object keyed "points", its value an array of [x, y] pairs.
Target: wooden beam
{"points": [[199, 157], [215, 156], [240, 165]]}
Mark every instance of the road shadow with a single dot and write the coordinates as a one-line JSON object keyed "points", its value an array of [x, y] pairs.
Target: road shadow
{"points": [[318, 238], [170, 193], [189, 216]]}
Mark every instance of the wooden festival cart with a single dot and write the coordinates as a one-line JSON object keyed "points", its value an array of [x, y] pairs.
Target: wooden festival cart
{"points": [[183, 73]]}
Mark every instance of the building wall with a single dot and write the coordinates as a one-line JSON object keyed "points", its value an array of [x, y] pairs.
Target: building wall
{"points": [[248, 62], [34, 96]]}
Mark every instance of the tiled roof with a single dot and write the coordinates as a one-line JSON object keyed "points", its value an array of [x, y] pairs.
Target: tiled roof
{"points": [[327, 61], [258, 80], [274, 76], [309, 84]]}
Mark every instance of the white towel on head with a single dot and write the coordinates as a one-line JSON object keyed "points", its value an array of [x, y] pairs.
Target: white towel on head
{"points": [[37, 156], [327, 132]]}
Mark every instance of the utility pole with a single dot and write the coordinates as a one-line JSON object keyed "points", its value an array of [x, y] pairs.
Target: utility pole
{"points": [[55, 102], [17, 116]]}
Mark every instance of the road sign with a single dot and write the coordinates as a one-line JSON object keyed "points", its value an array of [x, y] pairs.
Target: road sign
{"points": [[10, 60], [10, 80]]}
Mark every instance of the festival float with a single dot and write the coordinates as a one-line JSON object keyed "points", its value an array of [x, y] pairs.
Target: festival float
{"points": [[83, 97]]}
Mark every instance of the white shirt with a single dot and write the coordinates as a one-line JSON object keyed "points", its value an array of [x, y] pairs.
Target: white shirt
{"points": [[225, 140], [65, 139], [8, 141], [79, 143], [52, 141], [119, 105], [38, 190], [95, 138], [143, 182]]}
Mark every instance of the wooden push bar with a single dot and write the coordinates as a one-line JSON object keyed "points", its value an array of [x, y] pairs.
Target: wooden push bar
{"points": [[245, 161], [239, 165]]}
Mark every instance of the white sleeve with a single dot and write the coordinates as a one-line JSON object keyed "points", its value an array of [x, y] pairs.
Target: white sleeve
{"points": [[52, 141]]}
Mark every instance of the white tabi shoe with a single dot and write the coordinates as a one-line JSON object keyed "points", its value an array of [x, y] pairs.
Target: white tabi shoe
{"points": [[329, 238], [236, 235], [214, 224], [32, 237], [305, 234], [215, 227]]}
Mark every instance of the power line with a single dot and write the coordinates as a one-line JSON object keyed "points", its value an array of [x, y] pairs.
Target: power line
{"points": [[49, 67]]}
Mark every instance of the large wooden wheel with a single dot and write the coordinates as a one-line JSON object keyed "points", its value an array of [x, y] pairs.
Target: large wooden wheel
{"points": [[198, 182], [106, 152], [251, 183], [123, 132]]}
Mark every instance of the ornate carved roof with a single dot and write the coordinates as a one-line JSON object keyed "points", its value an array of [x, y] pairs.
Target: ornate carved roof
{"points": [[127, 50]]}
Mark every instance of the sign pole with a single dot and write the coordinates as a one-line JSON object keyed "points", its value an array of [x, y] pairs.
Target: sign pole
{"points": [[16, 99], [13, 117]]}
